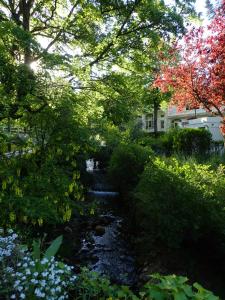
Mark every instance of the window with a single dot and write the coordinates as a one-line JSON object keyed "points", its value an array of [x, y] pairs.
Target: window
{"points": [[149, 122], [162, 123]]}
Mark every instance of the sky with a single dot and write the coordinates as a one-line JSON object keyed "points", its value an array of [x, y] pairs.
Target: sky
{"points": [[200, 7]]}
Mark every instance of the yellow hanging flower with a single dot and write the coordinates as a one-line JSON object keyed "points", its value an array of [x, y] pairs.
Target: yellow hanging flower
{"points": [[71, 187], [67, 214], [40, 221], [73, 163], [25, 219], [59, 151], [10, 179], [4, 184], [92, 211], [18, 191], [12, 216]]}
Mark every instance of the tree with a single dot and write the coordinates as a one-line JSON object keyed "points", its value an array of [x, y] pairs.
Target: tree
{"points": [[82, 39], [198, 78], [74, 46]]}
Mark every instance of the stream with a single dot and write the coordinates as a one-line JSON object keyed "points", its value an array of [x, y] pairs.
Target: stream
{"points": [[105, 247]]}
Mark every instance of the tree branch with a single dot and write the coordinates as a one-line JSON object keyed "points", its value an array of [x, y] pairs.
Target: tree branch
{"points": [[56, 38], [46, 26], [119, 33]]}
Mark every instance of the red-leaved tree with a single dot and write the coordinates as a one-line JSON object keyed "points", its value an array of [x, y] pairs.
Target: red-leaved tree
{"points": [[197, 78]]}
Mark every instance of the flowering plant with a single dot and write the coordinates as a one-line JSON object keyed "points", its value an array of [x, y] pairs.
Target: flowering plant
{"points": [[26, 275]]}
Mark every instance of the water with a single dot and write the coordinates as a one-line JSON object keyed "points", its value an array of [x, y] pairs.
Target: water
{"points": [[105, 247]]}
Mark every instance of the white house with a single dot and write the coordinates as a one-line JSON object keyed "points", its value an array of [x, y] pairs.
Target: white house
{"points": [[187, 118], [148, 121]]}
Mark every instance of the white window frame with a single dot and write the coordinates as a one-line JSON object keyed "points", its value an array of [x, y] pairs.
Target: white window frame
{"points": [[149, 122]]}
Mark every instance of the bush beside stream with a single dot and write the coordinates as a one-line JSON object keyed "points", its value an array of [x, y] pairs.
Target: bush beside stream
{"points": [[176, 211]]}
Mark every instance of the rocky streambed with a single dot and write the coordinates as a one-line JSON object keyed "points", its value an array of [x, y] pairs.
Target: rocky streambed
{"points": [[105, 247]]}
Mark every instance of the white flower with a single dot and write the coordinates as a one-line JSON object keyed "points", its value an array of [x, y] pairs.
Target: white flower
{"points": [[17, 282], [44, 261], [28, 272], [20, 288], [50, 284], [43, 283], [44, 274], [58, 289], [34, 281]]}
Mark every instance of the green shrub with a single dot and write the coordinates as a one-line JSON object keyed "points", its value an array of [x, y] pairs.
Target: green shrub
{"points": [[92, 286], [175, 201], [34, 192], [187, 141], [126, 164], [156, 144], [174, 287], [216, 159], [111, 136]]}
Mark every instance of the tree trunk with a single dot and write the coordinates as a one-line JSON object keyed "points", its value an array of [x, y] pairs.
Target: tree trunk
{"points": [[26, 7], [9, 131], [155, 116]]}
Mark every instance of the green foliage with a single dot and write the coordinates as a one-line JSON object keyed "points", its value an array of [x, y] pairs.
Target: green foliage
{"points": [[175, 287], [187, 141], [43, 186], [92, 286], [26, 275], [126, 164], [175, 201], [54, 247], [37, 276], [36, 251], [216, 159], [49, 252], [109, 58], [109, 136], [35, 191], [3, 143]]}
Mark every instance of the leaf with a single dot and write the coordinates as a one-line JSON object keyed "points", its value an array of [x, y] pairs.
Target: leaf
{"points": [[36, 253], [54, 247], [156, 294], [23, 247], [180, 296]]}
